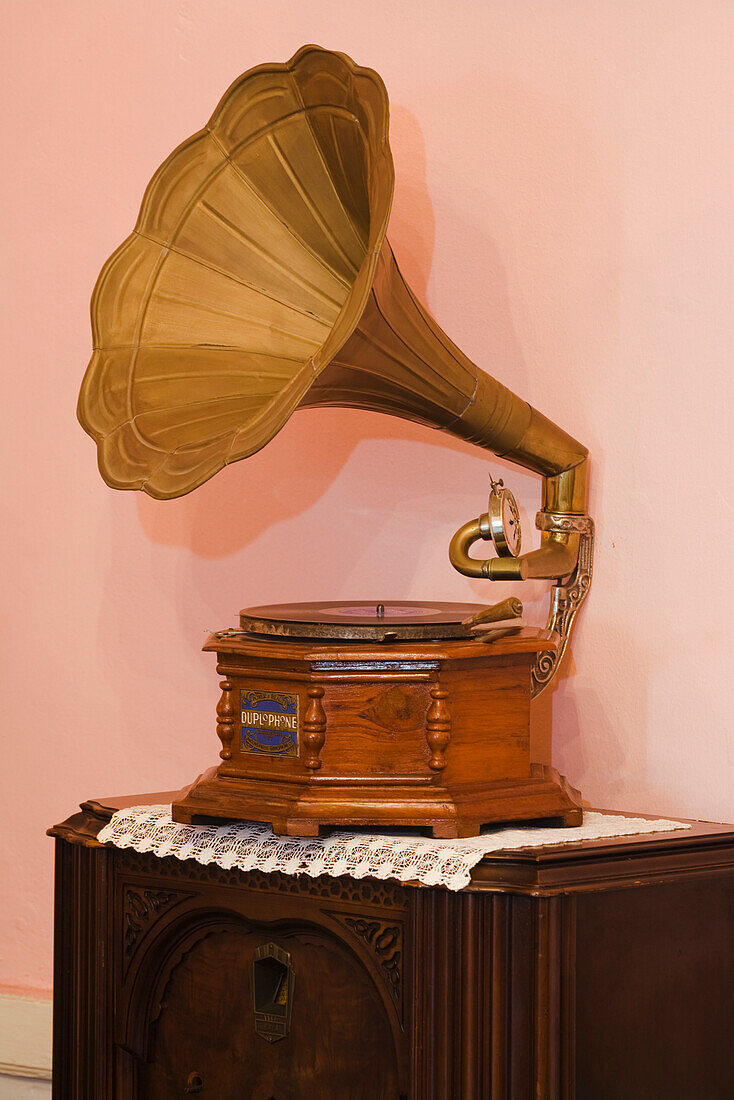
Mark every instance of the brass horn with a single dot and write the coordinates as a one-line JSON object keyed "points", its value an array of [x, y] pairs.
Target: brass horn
{"points": [[258, 279]]}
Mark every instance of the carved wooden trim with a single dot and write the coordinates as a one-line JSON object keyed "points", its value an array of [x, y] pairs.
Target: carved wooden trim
{"points": [[226, 718], [140, 907], [385, 941], [362, 891], [438, 728], [314, 728]]}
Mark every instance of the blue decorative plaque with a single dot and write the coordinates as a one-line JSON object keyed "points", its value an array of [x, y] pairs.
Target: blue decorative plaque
{"points": [[269, 723]]}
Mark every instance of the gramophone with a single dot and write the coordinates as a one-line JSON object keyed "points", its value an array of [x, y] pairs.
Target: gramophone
{"points": [[257, 281]]}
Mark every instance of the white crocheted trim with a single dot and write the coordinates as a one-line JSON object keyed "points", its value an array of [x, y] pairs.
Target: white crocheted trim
{"points": [[248, 845]]}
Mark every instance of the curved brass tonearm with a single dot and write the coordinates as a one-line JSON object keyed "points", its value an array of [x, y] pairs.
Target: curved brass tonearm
{"points": [[565, 553]]}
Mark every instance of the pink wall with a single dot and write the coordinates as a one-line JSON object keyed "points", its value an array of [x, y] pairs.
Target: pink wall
{"points": [[564, 182]]}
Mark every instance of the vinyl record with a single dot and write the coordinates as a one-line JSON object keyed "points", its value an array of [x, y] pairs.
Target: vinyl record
{"points": [[359, 620]]}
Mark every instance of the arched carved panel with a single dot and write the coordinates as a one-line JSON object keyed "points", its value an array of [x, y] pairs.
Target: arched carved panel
{"points": [[140, 908], [384, 942], [190, 1016]]}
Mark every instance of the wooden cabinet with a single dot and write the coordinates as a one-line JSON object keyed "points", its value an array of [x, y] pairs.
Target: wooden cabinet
{"points": [[601, 971]]}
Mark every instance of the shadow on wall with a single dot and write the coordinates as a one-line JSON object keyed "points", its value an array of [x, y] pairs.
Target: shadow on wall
{"points": [[227, 512]]}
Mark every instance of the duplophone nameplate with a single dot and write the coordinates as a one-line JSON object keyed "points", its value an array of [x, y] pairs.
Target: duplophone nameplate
{"points": [[269, 722]]}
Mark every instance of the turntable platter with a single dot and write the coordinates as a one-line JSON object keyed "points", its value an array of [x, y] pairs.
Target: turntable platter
{"points": [[360, 620]]}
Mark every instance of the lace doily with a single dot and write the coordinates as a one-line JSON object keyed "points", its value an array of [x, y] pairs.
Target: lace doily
{"points": [[249, 844]]}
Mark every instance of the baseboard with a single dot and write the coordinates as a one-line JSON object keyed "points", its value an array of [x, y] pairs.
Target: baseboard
{"points": [[25, 1037]]}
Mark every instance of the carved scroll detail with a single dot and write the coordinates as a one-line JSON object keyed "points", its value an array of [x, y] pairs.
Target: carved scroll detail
{"points": [[567, 595], [139, 908], [314, 728], [385, 940], [226, 718], [438, 728]]}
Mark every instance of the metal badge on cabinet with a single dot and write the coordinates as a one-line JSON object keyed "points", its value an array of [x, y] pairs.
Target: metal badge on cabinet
{"points": [[272, 991]]}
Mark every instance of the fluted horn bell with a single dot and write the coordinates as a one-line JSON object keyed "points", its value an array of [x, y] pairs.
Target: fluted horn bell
{"points": [[247, 270], [258, 278]]}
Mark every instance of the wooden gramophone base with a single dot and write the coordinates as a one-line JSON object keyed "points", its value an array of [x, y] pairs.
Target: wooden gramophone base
{"points": [[429, 734], [544, 795]]}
